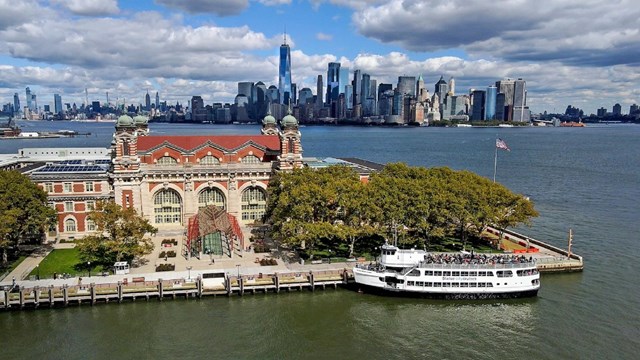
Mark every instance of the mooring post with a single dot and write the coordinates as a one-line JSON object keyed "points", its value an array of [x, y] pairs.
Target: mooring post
{"points": [[51, 299], [119, 291], [241, 282], [199, 286], [228, 284], [21, 297], [65, 294], [276, 280], [160, 289], [36, 296], [345, 277], [312, 281], [6, 299], [92, 292]]}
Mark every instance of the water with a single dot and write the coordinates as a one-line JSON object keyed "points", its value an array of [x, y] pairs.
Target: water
{"points": [[587, 179]]}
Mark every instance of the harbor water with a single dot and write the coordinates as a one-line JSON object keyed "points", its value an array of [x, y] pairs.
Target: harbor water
{"points": [[587, 179]]}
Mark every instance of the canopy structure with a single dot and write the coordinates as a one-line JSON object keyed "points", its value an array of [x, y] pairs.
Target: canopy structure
{"points": [[213, 231]]}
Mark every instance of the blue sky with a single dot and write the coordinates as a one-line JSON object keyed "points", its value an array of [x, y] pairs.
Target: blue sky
{"points": [[579, 52]]}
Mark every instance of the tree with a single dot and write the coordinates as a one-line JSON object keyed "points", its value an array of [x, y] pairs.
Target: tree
{"points": [[120, 235], [24, 212]]}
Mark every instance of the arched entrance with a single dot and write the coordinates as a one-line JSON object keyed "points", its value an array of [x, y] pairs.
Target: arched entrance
{"points": [[167, 207], [253, 204]]}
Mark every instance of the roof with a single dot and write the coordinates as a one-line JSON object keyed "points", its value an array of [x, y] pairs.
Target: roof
{"points": [[229, 142], [362, 167]]}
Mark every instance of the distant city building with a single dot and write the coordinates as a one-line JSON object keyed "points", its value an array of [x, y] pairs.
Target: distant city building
{"points": [[95, 107], [490, 103], [441, 89], [357, 87], [29, 99], [452, 86], [478, 103], [157, 100], [57, 104], [319, 92], [333, 82], [407, 85], [500, 106], [147, 102], [632, 109], [344, 78], [16, 103], [617, 110], [284, 73], [305, 96]]}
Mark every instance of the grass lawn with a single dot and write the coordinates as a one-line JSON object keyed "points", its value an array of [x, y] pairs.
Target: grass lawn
{"points": [[61, 261]]}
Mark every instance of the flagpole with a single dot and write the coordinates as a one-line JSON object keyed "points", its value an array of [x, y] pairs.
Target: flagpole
{"points": [[495, 163]]}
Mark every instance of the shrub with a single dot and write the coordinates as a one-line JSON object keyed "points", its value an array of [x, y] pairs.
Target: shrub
{"points": [[165, 267], [162, 254], [171, 254]]}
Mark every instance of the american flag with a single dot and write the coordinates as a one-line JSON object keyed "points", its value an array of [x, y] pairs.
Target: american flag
{"points": [[500, 144]]}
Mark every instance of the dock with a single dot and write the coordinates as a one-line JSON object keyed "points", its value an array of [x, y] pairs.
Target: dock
{"points": [[132, 288], [549, 258]]}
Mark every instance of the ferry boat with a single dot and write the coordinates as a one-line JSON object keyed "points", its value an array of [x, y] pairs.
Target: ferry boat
{"points": [[449, 275]]}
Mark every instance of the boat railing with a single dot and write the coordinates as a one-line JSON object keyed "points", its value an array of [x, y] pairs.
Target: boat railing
{"points": [[528, 264]]}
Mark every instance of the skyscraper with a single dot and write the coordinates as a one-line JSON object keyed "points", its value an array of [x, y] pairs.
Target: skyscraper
{"points": [[478, 109], [284, 73], [16, 103], [344, 78], [333, 81], [490, 103], [520, 108], [28, 93], [157, 101], [452, 86], [357, 87], [441, 89], [147, 101], [319, 91], [407, 85], [57, 104]]}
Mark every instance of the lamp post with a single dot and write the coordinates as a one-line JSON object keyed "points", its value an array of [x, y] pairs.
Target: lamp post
{"points": [[238, 266], [189, 272], [329, 256], [89, 266], [38, 271]]}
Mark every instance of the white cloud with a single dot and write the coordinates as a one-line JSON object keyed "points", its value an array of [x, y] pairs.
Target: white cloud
{"points": [[580, 32], [90, 7], [14, 13], [218, 7], [324, 37], [274, 2]]}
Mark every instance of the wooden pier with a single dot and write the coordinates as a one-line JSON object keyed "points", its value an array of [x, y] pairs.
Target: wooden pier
{"points": [[22, 298]]}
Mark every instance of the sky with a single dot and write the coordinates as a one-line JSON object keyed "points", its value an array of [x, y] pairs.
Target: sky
{"points": [[584, 53]]}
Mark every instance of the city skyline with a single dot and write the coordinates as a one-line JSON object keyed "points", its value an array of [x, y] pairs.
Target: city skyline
{"points": [[181, 49]]}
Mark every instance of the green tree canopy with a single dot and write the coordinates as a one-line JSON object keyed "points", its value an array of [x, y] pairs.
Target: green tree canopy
{"points": [[332, 203], [24, 212], [121, 236]]}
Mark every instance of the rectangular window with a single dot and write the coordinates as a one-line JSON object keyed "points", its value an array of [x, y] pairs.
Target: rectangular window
{"points": [[437, 273], [68, 188], [68, 206], [91, 226], [91, 205], [428, 273], [88, 186], [48, 187]]}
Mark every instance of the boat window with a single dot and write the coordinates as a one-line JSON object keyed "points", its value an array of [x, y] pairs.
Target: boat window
{"points": [[414, 272], [409, 283], [419, 283], [481, 284], [489, 285], [428, 273], [455, 273], [437, 273], [482, 273], [437, 284], [464, 273], [446, 284], [489, 273], [455, 284], [464, 284], [446, 273], [473, 273], [428, 284]]}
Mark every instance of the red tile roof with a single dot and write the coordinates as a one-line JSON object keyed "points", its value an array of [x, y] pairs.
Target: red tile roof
{"points": [[229, 142]]}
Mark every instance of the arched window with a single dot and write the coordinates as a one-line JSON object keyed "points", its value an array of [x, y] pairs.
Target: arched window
{"points": [[91, 226], [211, 196], [70, 225], [209, 160], [167, 207], [254, 203], [250, 159], [167, 160]]}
